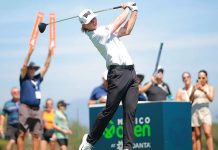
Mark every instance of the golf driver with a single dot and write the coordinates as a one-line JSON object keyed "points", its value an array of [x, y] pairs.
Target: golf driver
{"points": [[158, 58], [42, 26]]}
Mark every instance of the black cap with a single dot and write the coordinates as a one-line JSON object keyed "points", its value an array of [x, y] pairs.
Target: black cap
{"points": [[33, 65], [160, 69], [62, 103]]}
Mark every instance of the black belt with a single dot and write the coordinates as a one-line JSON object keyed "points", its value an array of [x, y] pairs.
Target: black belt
{"points": [[129, 67], [31, 107], [34, 107]]}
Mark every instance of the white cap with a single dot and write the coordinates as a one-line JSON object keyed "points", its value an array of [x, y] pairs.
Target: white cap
{"points": [[104, 75], [160, 68], [86, 16]]}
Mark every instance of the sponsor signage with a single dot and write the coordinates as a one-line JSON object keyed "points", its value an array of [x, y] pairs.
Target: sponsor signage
{"points": [[158, 126]]}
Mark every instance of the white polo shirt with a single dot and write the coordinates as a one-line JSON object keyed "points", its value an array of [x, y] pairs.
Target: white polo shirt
{"points": [[110, 46]]}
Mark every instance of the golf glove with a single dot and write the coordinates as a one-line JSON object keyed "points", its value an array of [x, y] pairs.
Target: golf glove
{"points": [[131, 6]]}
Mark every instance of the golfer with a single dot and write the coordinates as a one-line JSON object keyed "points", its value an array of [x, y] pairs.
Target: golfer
{"points": [[122, 80]]}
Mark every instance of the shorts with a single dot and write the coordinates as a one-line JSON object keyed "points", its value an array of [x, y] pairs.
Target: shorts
{"points": [[47, 134], [201, 115], [62, 142], [12, 132], [30, 118]]}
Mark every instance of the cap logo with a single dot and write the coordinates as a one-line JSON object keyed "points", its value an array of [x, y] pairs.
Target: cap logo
{"points": [[86, 14]]}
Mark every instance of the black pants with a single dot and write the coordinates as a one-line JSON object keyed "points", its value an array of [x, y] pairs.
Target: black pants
{"points": [[122, 85]]}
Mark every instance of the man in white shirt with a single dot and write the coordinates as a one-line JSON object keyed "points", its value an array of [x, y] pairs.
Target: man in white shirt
{"points": [[122, 79]]}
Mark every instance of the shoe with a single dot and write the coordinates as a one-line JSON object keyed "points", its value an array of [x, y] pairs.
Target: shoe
{"points": [[85, 145]]}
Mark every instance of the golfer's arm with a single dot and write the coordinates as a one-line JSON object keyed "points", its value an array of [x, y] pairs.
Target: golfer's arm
{"points": [[119, 20], [47, 63], [126, 30]]}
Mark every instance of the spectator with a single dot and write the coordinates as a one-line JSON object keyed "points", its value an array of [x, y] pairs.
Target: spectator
{"points": [[99, 94], [140, 78], [11, 109], [62, 129], [202, 94], [156, 89], [30, 97], [183, 94], [122, 82], [48, 126]]}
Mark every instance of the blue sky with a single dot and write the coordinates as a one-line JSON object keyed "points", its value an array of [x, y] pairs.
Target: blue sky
{"points": [[188, 29]]}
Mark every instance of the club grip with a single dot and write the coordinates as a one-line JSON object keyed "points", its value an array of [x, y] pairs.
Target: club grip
{"points": [[117, 7], [121, 6]]}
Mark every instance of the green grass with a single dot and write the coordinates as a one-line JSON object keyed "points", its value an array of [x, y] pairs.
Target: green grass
{"points": [[2, 144], [215, 137]]}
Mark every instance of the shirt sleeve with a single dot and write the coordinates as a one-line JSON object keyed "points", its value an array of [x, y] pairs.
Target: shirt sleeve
{"points": [[100, 93], [103, 34], [93, 97], [4, 110], [97, 93], [39, 78]]}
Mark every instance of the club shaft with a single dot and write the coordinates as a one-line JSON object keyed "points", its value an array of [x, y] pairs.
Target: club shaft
{"points": [[117, 7], [64, 19]]}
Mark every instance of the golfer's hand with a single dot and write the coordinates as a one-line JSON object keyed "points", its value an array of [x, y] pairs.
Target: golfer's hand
{"points": [[124, 5], [132, 7], [127, 4]]}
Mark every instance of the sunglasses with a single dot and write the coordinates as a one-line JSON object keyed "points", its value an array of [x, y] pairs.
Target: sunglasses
{"points": [[201, 78], [32, 68]]}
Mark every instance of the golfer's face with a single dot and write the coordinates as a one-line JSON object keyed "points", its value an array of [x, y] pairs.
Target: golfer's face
{"points": [[94, 22], [92, 25]]}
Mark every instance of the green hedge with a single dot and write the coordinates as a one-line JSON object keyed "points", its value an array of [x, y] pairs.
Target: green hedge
{"points": [[79, 130]]}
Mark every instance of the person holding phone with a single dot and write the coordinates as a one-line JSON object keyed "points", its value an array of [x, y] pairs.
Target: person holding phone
{"points": [[202, 94]]}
